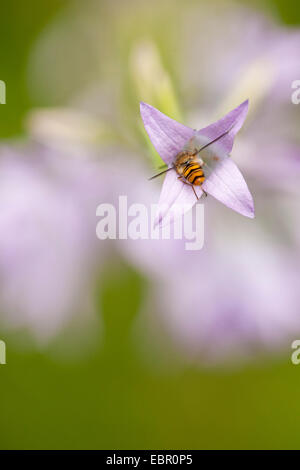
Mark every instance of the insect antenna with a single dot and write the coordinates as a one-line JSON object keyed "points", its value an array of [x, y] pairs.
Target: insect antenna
{"points": [[161, 173], [217, 138]]}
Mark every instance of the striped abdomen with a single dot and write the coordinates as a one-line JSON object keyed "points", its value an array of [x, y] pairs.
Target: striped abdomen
{"points": [[193, 173]]}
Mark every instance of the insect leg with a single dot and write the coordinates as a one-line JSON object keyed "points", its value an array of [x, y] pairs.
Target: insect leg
{"points": [[194, 192], [189, 184]]}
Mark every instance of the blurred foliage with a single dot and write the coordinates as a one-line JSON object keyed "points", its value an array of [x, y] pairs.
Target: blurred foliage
{"points": [[110, 398], [287, 11], [22, 22]]}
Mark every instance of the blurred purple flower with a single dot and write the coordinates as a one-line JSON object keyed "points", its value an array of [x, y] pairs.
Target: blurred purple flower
{"points": [[223, 179], [49, 255]]}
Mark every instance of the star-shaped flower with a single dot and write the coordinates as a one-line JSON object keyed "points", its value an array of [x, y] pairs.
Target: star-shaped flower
{"points": [[223, 180]]}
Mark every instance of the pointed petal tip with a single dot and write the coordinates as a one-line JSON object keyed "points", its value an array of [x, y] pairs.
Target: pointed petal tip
{"points": [[245, 105], [242, 110], [144, 106], [227, 185], [167, 135], [250, 214], [157, 221], [246, 209], [249, 209]]}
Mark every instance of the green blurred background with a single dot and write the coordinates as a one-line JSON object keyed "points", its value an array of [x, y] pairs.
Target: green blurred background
{"points": [[109, 397]]}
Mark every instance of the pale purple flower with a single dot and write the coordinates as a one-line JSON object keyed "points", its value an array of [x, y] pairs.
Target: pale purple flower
{"points": [[223, 179], [49, 254]]}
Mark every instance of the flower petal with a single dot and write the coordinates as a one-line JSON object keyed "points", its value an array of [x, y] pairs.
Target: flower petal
{"points": [[176, 198], [234, 119], [223, 179], [227, 184], [167, 136]]}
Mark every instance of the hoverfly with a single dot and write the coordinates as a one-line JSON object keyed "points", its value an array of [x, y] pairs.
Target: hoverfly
{"points": [[189, 166]]}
